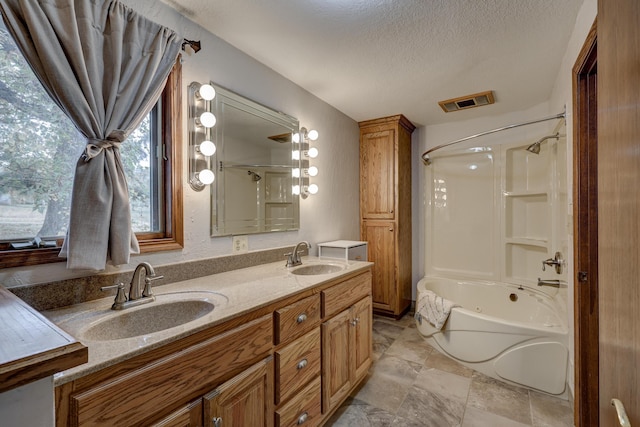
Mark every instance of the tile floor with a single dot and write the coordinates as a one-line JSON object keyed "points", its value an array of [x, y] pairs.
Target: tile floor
{"points": [[411, 384]]}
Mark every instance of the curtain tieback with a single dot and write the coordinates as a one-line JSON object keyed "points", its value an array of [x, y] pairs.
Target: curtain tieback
{"points": [[95, 146]]}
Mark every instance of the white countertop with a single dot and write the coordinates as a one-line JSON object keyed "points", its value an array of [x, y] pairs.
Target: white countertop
{"points": [[234, 293]]}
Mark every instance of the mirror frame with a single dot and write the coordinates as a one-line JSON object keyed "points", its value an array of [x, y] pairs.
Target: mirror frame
{"points": [[225, 98]]}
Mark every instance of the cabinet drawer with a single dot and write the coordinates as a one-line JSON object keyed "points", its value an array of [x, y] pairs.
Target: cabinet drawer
{"points": [[341, 296], [303, 409], [296, 364], [296, 319]]}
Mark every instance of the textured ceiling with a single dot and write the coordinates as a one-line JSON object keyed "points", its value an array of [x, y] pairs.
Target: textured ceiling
{"points": [[375, 58]]}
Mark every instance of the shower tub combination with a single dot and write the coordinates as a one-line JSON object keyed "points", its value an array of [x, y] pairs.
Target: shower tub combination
{"points": [[505, 331]]}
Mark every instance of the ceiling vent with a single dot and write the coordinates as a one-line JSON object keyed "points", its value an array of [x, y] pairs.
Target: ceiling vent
{"points": [[469, 101]]}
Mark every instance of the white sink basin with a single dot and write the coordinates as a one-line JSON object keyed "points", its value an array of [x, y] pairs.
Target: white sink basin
{"points": [[315, 269], [156, 316]]}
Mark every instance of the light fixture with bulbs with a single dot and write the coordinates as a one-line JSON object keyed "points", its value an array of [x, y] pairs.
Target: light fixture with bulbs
{"points": [[301, 154], [201, 144]]}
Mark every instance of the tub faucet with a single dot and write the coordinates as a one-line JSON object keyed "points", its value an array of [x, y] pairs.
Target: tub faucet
{"points": [[557, 262], [138, 294], [293, 258]]}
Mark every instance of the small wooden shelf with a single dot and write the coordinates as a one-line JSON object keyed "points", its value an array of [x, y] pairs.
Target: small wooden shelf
{"points": [[32, 347]]}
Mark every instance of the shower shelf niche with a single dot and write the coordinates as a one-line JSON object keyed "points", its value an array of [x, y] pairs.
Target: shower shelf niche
{"points": [[528, 212], [527, 217]]}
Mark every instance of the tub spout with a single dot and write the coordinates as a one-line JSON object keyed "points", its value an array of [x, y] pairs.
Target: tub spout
{"points": [[552, 283]]}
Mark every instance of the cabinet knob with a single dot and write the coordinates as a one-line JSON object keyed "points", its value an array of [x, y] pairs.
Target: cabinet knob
{"points": [[355, 321], [303, 418], [391, 211], [216, 422], [301, 318], [302, 364], [391, 229]]}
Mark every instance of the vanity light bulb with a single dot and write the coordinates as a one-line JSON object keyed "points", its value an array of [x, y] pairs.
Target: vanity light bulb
{"points": [[207, 148], [313, 134], [295, 190], [295, 172], [296, 138], [313, 152], [295, 154], [313, 189], [207, 119], [206, 177], [207, 92], [313, 171]]}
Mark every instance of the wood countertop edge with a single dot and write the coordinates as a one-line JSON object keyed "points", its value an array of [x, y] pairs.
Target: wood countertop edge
{"points": [[26, 368]]}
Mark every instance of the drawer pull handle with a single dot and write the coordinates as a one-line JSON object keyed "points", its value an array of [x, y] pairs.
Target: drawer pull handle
{"points": [[301, 318], [303, 418], [216, 422], [302, 364]]}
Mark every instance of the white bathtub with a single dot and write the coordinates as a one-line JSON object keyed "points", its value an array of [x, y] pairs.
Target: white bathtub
{"points": [[503, 331]]}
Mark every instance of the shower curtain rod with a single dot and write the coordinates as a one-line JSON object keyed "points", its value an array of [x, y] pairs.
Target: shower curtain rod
{"points": [[427, 160]]}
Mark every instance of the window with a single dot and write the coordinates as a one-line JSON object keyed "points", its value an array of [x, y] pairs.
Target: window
{"points": [[39, 147]]}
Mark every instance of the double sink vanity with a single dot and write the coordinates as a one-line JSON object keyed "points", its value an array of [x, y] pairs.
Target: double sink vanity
{"points": [[265, 345]]}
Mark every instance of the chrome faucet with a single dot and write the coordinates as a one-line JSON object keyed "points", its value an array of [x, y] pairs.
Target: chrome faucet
{"points": [[293, 258], [138, 294], [136, 290]]}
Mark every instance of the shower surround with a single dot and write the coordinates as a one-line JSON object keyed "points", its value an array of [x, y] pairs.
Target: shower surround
{"points": [[494, 213]]}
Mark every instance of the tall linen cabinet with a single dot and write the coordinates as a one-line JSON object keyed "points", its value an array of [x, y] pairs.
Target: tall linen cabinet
{"points": [[385, 210]]}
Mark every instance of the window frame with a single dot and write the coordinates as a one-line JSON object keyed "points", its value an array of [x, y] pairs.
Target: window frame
{"points": [[172, 238]]}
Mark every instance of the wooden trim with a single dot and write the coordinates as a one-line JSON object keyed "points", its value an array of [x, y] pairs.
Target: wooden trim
{"points": [[391, 120], [173, 236], [25, 257], [585, 213]]}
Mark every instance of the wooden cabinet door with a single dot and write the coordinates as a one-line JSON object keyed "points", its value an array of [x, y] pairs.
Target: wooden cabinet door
{"points": [[244, 400], [362, 345], [336, 360], [381, 237], [187, 416], [377, 174], [346, 352]]}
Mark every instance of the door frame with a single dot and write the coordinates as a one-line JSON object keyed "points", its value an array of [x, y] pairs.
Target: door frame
{"points": [[585, 232]]}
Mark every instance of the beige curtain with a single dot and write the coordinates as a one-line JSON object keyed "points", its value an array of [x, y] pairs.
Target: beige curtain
{"points": [[105, 66]]}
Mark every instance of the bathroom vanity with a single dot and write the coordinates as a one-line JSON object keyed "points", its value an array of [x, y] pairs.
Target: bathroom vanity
{"points": [[278, 349]]}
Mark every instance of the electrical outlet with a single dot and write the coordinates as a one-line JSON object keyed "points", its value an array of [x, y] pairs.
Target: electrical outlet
{"points": [[240, 244]]}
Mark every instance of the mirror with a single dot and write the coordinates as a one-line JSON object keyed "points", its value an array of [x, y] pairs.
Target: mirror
{"points": [[253, 188]]}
